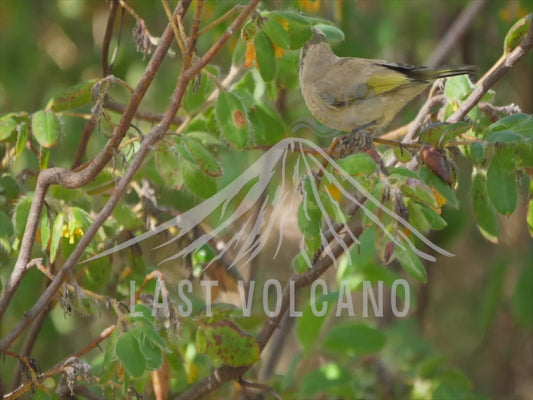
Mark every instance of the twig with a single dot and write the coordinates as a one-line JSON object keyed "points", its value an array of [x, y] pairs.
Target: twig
{"points": [[84, 141], [178, 30], [260, 386], [457, 30], [487, 81], [193, 37], [221, 19], [140, 114], [113, 7]]}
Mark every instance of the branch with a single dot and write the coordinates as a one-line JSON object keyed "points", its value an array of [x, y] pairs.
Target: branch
{"points": [[456, 32], [487, 81], [72, 180], [113, 7], [140, 114]]}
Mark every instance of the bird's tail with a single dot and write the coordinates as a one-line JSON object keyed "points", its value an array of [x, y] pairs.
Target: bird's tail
{"points": [[426, 74], [431, 74]]}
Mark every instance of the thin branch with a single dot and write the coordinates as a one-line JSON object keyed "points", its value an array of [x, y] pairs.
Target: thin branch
{"points": [[461, 24], [193, 37], [141, 114], [260, 386], [84, 141], [113, 7], [487, 81]]}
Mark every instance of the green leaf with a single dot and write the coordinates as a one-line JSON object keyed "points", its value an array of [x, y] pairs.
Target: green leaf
{"points": [[42, 394], [267, 124], [97, 273], [309, 221], [502, 186], [309, 325], [517, 33], [152, 335], [333, 208], [266, 60], [206, 161], [434, 219], [197, 180], [62, 193], [22, 138], [199, 90], [82, 217], [298, 28], [402, 154], [288, 67], [358, 164], [441, 133], [505, 137], [487, 220], [6, 226], [204, 254], [417, 217], [201, 341], [9, 187], [417, 190], [303, 261], [46, 128], [412, 264], [126, 217], [169, 165], [151, 353], [20, 216], [277, 33], [45, 229], [130, 355], [354, 339], [74, 97], [333, 33], [458, 87], [57, 234], [44, 158], [227, 343], [232, 120], [519, 123], [440, 186]]}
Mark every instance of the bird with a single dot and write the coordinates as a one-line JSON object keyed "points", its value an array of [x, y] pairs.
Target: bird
{"points": [[349, 94]]}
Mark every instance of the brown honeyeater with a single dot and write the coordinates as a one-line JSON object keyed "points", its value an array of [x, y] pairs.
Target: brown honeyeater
{"points": [[346, 93]]}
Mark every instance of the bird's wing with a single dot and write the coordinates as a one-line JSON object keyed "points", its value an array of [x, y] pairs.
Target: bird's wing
{"points": [[352, 80]]}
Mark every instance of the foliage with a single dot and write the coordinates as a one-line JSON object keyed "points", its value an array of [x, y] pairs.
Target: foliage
{"points": [[229, 113]]}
